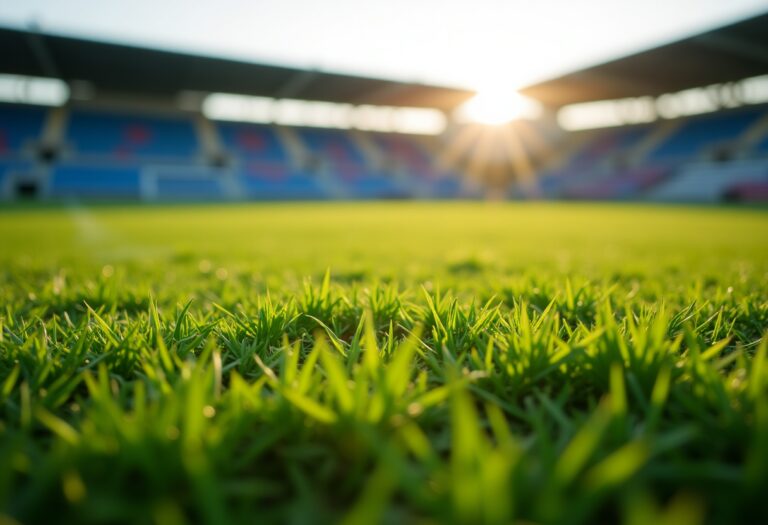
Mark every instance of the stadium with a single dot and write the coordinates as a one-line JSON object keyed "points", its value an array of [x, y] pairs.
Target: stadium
{"points": [[238, 290], [142, 124]]}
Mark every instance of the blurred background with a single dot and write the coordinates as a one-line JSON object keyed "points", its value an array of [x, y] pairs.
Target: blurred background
{"points": [[296, 100]]}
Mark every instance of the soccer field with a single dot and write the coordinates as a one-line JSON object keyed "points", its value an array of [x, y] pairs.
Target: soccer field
{"points": [[384, 362]]}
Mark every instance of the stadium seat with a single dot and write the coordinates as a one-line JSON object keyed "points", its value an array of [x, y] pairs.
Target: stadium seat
{"points": [[620, 184], [95, 181], [289, 186], [761, 147], [591, 164], [607, 143], [710, 182], [179, 187], [747, 192], [445, 187], [268, 170], [406, 155], [20, 127], [334, 147], [13, 165], [376, 186], [252, 142], [123, 136], [699, 133]]}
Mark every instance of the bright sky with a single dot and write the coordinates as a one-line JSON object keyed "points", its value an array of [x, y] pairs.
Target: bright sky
{"points": [[463, 43]]}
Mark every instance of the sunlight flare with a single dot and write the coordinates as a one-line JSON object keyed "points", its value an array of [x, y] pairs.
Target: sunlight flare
{"points": [[496, 106]]}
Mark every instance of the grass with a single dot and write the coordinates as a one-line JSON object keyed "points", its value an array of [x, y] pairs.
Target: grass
{"points": [[393, 363]]}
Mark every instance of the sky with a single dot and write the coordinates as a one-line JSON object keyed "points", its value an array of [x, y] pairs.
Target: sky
{"points": [[477, 44]]}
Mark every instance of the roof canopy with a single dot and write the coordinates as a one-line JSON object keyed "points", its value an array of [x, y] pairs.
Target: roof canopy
{"points": [[730, 53], [125, 68]]}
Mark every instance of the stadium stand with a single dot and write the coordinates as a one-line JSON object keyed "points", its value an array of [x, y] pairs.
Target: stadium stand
{"points": [[417, 167], [189, 188], [712, 182], [108, 154], [127, 136], [762, 146], [128, 139], [607, 145], [103, 181], [594, 170], [448, 187], [333, 151], [405, 154], [747, 192], [9, 169], [697, 162], [252, 142], [20, 131], [20, 128], [702, 134], [376, 186], [291, 186]]}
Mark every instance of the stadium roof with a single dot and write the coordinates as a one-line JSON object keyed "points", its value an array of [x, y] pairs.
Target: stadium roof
{"points": [[726, 54], [729, 53], [125, 68]]}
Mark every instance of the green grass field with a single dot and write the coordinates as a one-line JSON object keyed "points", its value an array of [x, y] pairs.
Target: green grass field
{"points": [[384, 363]]}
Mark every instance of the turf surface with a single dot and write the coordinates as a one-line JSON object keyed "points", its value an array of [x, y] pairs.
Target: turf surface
{"points": [[459, 363]]}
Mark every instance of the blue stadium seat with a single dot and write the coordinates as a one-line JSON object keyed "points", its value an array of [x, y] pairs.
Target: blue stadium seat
{"points": [[188, 188], [375, 186], [406, 154], [616, 184], [333, 146], [445, 186], [289, 186], [131, 136], [608, 142], [19, 126], [587, 166], [8, 166], [93, 181], [252, 142], [762, 145], [698, 133]]}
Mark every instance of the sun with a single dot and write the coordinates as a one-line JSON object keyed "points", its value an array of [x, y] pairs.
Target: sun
{"points": [[496, 107]]}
